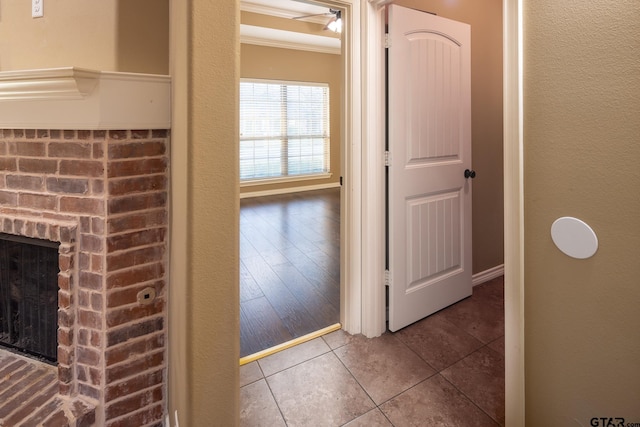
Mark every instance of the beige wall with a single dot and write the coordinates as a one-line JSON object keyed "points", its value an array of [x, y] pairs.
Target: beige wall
{"points": [[296, 65], [205, 326], [582, 149], [142, 29], [108, 35], [485, 18]]}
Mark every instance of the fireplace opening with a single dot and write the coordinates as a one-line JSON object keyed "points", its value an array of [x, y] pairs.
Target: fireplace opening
{"points": [[29, 296]]}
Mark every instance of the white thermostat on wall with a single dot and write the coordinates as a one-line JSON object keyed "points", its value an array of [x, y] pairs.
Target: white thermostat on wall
{"points": [[574, 237]]}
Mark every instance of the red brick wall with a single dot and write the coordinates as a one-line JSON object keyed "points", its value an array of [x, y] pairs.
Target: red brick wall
{"points": [[103, 195]]}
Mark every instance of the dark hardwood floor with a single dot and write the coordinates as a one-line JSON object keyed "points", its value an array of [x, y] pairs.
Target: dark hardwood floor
{"points": [[289, 267]]}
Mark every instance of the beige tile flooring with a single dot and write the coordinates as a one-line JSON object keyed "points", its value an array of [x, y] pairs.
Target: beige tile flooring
{"points": [[445, 370]]}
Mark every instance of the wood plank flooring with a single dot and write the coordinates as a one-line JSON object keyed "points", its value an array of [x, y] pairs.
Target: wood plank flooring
{"points": [[289, 267]]}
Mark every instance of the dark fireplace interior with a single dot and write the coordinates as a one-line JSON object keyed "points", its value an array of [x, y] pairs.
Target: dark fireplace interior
{"points": [[29, 296]]}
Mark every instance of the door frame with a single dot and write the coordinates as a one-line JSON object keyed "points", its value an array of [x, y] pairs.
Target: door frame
{"points": [[373, 309], [513, 153]]}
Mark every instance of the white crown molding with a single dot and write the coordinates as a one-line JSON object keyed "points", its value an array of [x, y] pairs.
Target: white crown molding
{"points": [[76, 98], [61, 83], [261, 36]]}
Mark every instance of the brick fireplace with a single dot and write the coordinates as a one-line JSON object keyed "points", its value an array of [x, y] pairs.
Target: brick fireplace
{"points": [[102, 194]]}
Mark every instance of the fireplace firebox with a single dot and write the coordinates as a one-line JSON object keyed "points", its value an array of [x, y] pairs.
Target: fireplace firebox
{"points": [[29, 295]]}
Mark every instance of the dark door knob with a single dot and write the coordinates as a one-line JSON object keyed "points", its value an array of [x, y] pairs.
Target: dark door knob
{"points": [[469, 173]]}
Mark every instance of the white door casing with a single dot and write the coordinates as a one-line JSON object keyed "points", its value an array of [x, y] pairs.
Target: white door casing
{"points": [[429, 110]]}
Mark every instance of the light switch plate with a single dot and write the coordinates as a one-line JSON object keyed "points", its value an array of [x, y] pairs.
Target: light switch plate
{"points": [[37, 8]]}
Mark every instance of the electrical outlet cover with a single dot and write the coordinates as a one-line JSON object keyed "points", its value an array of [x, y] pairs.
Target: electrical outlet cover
{"points": [[37, 8]]}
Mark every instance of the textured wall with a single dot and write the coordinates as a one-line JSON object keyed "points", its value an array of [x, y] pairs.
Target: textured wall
{"points": [[485, 18], [213, 304], [581, 130], [109, 35]]}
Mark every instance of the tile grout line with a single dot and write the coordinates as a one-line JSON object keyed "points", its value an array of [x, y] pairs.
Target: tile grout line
{"points": [[471, 400], [376, 406], [273, 396], [463, 393]]}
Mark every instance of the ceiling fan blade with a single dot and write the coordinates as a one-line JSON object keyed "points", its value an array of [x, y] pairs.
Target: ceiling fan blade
{"points": [[311, 16]]}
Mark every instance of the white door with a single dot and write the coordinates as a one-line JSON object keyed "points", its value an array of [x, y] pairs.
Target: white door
{"points": [[429, 144]]}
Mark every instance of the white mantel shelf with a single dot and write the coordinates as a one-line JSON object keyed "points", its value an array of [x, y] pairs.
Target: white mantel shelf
{"points": [[76, 98]]}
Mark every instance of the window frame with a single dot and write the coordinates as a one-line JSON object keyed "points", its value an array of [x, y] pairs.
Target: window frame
{"points": [[286, 177]]}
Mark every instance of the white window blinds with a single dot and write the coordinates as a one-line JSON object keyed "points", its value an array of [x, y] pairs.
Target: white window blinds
{"points": [[284, 129]]}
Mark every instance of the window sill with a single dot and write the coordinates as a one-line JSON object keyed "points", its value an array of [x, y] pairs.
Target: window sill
{"points": [[279, 180]]}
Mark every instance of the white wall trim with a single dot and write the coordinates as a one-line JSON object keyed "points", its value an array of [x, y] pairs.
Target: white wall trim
{"points": [[262, 36], [76, 98], [285, 179], [287, 190], [486, 275], [351, 289]]}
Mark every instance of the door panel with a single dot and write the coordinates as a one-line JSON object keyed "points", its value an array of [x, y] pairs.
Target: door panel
{"points": [[429, 149], [433, 237]]}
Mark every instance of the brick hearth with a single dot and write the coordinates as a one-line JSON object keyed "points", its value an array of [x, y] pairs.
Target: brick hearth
{"points": [[103, 196], [29, 396]]}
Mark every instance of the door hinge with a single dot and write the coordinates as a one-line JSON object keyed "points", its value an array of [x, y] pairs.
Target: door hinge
{"points": [[340, 181], [387, 278], [387, 41], [387, 158]]}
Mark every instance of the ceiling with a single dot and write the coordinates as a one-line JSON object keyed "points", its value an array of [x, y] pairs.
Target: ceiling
{"points": [[287, 39]]}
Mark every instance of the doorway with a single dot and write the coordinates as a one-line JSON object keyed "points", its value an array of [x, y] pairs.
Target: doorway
{"points": [[290, 226], [192, 316], [429, 171], [289, 267]]}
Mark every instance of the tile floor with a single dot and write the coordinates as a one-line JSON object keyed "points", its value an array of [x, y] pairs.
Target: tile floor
{"points": [[445, 370]]}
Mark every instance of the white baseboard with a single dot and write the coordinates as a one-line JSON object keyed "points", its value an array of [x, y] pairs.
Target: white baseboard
{"points": [[485, 276], [289, 190]]}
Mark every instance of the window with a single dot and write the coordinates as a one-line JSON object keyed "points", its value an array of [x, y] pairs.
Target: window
{"points": [[284, 129]]}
